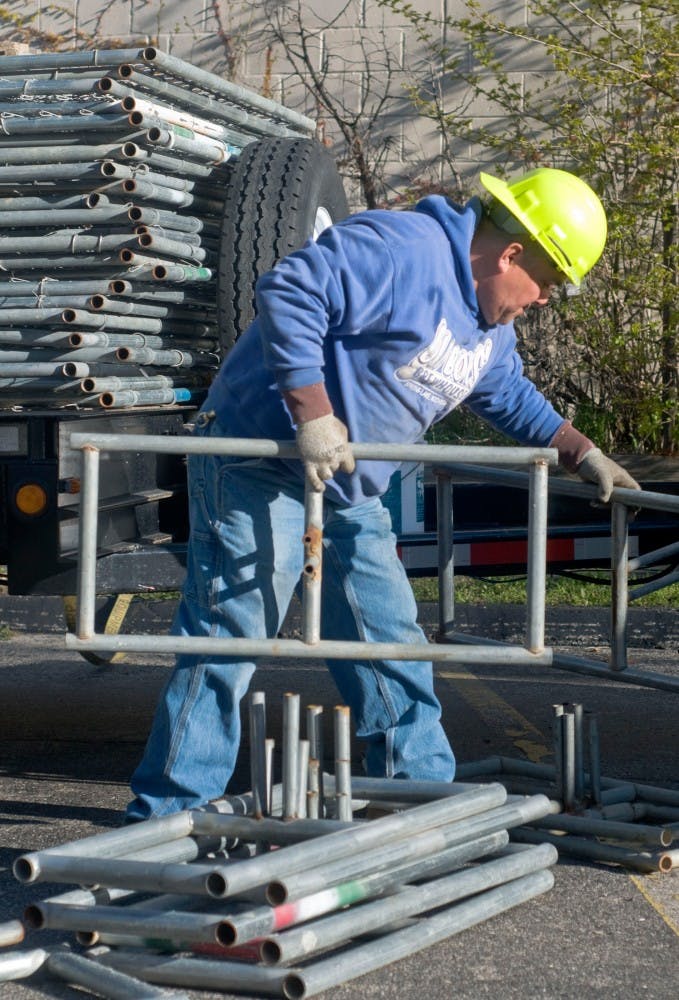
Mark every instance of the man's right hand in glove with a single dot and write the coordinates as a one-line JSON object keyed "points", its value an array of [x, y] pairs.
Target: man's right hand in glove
{"points": [[324, 448], [322, 438]]}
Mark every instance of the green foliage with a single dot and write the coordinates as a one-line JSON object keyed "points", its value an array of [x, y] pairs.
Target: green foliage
{"points": [[604, 104]]}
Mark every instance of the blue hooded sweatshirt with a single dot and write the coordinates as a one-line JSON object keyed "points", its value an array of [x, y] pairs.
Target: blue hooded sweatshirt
{"points": [[382, 308]]}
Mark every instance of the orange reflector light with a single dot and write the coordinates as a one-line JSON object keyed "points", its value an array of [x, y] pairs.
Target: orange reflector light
{"points": [[31, 498]]}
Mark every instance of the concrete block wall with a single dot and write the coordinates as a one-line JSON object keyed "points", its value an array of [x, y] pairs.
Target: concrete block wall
{"points": [[366, 52]]}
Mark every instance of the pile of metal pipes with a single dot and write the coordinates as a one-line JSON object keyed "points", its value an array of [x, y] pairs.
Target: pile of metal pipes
{"points": [[200, 899], [111, 200], [599, 819]]}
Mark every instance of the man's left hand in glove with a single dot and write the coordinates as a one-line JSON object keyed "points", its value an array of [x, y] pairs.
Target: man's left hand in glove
{"points": [[597, 468], [580, 455]]}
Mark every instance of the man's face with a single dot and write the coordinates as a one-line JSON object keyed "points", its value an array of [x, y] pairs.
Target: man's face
{"points": [[524, 277]]}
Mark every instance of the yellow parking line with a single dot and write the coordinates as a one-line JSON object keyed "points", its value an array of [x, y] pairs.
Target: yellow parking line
{"points": [[657, 891], [498, 714]]}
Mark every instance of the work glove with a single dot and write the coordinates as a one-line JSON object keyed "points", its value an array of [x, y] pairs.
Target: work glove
{"points": [[597, 468], [324, 448]]}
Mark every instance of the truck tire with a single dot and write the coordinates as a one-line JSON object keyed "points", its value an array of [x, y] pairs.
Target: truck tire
{"points": [[280, 192]]}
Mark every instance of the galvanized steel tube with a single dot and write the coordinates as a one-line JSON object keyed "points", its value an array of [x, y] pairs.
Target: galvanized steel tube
{"points": [[302, 883], [257, 723], [202, 148], [175, 925], [313, 807], [201, 973], [619, 585], [290, 755], [446, 552], [144, 215], [594, 757], [53, 287], [261, 870], [314, 731], [64, 216], [42, 127], [558, 744], [83, 59], [255, 923], [264, 448], [303, 779], [172, 248], [86, 83], [652, 558], [342, 731], [537, 556], [87, 543], [165, 358], [229, 113], [389, 948], [11, 932], [230, 91], [145, 153], [78, 970], [180, 272], [142, 876], [312, 573], [111, 844], [401, 789], [21, 964], [581, 847], [295, 648], [568, 726], [149, 397], [578, 724], [299, 943], [657, 836]]}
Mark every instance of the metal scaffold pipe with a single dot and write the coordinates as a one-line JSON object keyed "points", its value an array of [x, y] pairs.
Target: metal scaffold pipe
{"points": [[96, 58], [320, 935], [230, 91], [427, 842], [389, 948], [126, 171], [255, 125], [23, 87], [78, 970]]}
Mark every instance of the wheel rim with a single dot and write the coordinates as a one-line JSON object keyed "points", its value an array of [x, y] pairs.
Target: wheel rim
{"points": [[322, 221]]}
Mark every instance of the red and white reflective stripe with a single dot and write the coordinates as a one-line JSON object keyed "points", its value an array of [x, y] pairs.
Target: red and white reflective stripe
{"points": [[424, 556]]}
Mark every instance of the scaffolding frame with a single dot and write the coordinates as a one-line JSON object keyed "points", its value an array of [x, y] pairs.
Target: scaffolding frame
{"points": [[622, 502], [448, 461], [312, 645]]}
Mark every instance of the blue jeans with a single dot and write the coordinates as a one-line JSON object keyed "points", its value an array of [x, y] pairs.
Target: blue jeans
{"points": [[244, 562]]}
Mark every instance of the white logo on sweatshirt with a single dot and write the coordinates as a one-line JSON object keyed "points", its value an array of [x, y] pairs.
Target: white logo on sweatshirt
{"points": [[444, 372]]}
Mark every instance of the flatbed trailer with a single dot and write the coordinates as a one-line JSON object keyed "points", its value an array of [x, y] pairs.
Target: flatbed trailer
{"points": [[129, 258]]}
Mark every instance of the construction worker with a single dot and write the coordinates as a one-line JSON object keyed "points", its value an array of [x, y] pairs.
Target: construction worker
{"points": [[373, 333]]}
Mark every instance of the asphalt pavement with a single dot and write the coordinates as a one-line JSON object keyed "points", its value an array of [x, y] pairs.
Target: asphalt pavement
{"points": [[72, 731]]}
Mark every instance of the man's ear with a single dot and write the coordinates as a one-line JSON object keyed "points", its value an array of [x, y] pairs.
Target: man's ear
{"points": [[510, 255]]}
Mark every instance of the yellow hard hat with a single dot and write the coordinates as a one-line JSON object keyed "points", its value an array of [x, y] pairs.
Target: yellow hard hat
{"points": [[560, 211]]}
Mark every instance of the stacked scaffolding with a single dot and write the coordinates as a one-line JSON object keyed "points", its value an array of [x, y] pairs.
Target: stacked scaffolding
{"points": [[199, 899], [111, 200], [626, 823]]}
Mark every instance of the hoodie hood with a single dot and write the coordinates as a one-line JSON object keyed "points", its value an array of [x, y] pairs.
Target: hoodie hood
{"points": [[459, 223]]}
